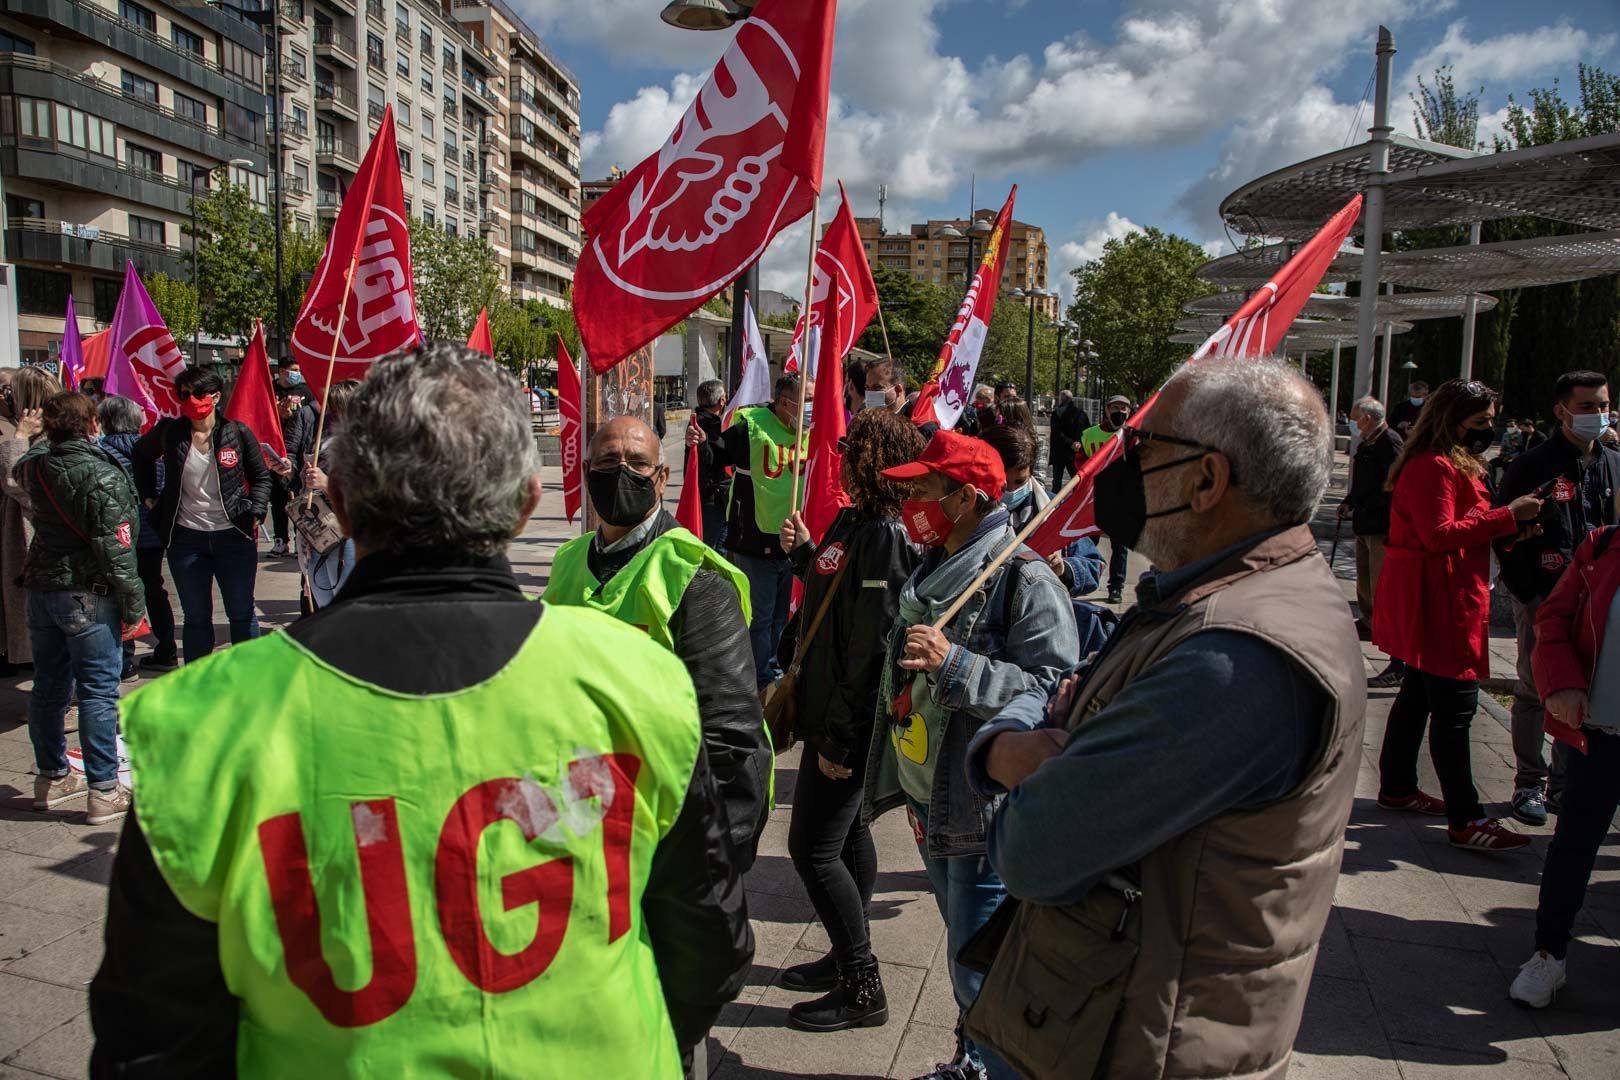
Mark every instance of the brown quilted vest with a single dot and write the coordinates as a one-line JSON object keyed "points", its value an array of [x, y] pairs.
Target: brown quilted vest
{"points": [[1230, 912]]}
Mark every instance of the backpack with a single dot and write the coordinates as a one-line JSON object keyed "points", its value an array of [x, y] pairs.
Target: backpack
{"points": [[1094, 623]]}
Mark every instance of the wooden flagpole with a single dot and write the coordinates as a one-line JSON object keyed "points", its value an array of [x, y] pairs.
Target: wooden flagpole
{"points": [[804, 360], [331, 362], [1006, 553], [884, 326]]}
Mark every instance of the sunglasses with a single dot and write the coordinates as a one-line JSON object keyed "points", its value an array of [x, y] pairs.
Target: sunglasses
{"points": [[192, 395]]}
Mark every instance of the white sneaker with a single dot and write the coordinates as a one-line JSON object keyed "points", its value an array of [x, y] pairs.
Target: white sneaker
{"points": [[49, 792], [107, 806], [1539, 980], [278, 550]]}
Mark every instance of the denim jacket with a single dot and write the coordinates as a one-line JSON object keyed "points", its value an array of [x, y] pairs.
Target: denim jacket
{"points": [[991, 662]]}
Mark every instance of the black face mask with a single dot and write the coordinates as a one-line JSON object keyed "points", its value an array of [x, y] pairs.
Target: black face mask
{"points": [[1478, 440], [1121, 498], [622, 496], [1117, 419]]}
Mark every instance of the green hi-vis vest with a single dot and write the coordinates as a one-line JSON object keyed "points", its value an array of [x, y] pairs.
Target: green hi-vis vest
{"points": [[647, 591], [771, 461], [426, 885], [1093, 437]]}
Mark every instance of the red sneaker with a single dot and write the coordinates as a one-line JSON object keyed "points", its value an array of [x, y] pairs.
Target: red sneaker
{"points": [[1489, 835], [1421, 803]]}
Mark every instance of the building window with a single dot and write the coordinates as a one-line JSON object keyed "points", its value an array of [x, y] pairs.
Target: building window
{"points": [[146, 230], [21, 206], [298, 63], [427, 81], [105, 292], [34, 118], [428, 215], [301, 176], [449, 227], [405, 162], [374, 51], [448, 56], [427, 172], [241, 62], [141, 157], [185, 40], [42, 292], [141, 17], [92, 133], [255, 183], [12, 43], [402, 65], [140, 88], [427, 41], [190, 108], [244, 124], [192, 174], [427, 126], [402, 114]]}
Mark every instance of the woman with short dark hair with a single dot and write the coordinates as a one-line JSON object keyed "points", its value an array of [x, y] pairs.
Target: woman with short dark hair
{"points": [[83, 591], [214, 494], [121, 420]]}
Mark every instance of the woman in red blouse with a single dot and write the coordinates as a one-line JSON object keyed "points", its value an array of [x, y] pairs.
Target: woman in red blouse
{"points": [[1433, 604]]}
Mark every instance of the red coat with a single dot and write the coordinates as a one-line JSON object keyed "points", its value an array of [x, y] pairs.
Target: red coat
{"points": [[1434, 596], [1571, 621]]}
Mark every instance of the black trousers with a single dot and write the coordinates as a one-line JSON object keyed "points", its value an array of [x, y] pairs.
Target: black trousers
{"points": [[1117, 556], [1591, 796], [834, 854], [1445, 708], [278, 507]]}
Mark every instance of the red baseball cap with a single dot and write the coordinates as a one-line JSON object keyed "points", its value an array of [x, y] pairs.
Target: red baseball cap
{"points": [[963, 458]]}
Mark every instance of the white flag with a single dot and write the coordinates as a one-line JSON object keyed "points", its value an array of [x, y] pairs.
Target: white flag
{"points": [[755, 387]]}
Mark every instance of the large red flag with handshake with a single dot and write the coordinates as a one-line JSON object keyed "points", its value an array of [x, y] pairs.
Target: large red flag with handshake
{"points": [[361, 305], [950, 384], [1255, 330], [743, 164], [843, 287]]}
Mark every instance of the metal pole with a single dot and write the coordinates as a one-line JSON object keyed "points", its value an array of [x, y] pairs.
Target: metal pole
{"points": [[1029, 357], [747, 282], [1333, 387], [1469, 316], [278, 180], [1057, 369], [196, 330], [1373, 217]]}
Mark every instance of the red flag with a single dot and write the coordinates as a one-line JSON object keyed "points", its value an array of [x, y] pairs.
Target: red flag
{"points": [[370, 237], [950, 384], [253, 400], [1254, 330], [743, 164], [843, 278], [143, 359], [480, 338], [571, 407], [689, 511], [824, 489]]}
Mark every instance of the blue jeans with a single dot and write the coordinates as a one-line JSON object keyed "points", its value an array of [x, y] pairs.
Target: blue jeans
{"points": [[968, 892], [714, 526], [74, 635], [770, 590], [196, 561]]}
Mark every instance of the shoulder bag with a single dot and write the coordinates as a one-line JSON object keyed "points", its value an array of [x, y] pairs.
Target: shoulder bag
{"points": [[781, 697]]}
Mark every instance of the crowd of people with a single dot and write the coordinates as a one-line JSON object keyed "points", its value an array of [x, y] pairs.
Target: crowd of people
{"points": [[1098, 884]]}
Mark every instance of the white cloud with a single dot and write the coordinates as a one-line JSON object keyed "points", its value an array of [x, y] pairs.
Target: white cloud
{"points": [[1087, 244], [1506, 58], [628, 31], [635, 128]]}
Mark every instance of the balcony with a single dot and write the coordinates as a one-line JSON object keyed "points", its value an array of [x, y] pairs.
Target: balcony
{"points": [[294, 71], [469, 161], [402, 33], [374, 12], [61, 243], [450, 106], [470, 202], [293, 131], [294, 187], [337, 152], [336, 99], [487, 181], [374, 111], [375, 60], [328, 202], [333, 44], [344, 5]]}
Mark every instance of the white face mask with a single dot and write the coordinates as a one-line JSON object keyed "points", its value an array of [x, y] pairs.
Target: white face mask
{"points": [[877, 399], [1588, 426], [1416, 401]]}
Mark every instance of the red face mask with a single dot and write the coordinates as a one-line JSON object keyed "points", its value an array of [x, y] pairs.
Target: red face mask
{"points": [[197, 408], [926, 522]]}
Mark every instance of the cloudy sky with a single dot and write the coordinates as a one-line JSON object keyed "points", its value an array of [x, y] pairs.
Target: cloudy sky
{"points": [[1107, 113]]}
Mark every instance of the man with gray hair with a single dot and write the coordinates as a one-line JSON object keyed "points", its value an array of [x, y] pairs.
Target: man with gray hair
{"points": [[1366, 504], [403, 835], [714, 479], [1177, 812]]}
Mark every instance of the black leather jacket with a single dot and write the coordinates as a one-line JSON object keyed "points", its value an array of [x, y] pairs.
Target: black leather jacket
{"points": [[1369, 502], [244, 480], [711, 638], [838, 680], [159, 1005], [1531, 567]]}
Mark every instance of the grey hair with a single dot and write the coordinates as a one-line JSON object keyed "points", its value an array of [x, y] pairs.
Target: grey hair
{"points": [[119, 415], [710, 392], [1370, 407], [1270, 423], [435, 454]]}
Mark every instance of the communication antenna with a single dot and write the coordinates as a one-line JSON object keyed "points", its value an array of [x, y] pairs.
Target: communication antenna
{"points": [[883, 197]]}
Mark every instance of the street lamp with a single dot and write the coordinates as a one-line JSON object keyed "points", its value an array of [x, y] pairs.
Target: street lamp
{"points": [[271, 21], [1031, 297], [1064, 328], [195, 287]]}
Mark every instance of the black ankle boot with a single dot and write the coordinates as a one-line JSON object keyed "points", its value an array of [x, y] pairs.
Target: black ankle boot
{"points": [[857, 1001], [816, 975]]}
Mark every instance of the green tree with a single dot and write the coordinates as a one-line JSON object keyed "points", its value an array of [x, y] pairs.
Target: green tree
{"points": [[1440, 114], [1128, 300], [519, 336], [176, 301], [301, 251], [918, 314], [455, 277], [235, 261], [559, 320]]}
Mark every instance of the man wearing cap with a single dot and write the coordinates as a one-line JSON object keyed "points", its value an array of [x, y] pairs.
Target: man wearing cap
{"points": [[1116, 411], [1015, 633]]}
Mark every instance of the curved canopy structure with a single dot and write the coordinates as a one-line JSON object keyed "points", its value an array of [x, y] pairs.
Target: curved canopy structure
{"points": [[1327, 330], [1304, 334], [1407, 306]]}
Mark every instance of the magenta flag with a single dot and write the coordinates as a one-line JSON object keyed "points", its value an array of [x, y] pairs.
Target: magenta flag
{"points": [[142, 359], [72, 349]]}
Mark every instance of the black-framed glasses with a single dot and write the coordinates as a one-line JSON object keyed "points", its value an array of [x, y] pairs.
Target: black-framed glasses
{"points": [[193, 395], [1135, 438]]}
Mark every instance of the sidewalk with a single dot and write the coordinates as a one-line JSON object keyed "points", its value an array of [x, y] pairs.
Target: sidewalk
{"points": [[1411, 981]]}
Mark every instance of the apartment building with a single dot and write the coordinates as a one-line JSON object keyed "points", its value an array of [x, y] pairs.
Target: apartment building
{"points": [[111, 112], [927, 255]]}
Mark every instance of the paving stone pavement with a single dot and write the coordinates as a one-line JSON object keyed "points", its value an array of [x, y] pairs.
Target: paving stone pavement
{"points": [[1410, 983]]}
